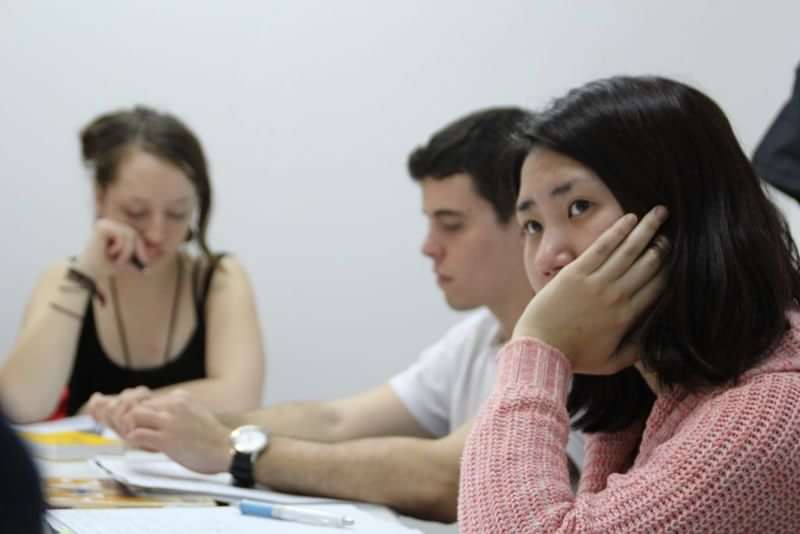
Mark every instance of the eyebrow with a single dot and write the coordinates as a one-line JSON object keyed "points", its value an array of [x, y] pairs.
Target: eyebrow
{"points": [[446, 213], [181, 200], [559, 190]]}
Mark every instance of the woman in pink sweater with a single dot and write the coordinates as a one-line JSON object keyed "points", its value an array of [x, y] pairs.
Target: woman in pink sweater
{"points": [[679, 332]]}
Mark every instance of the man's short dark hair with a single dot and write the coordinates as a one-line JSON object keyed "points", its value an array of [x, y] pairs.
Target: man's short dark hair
{"points": [[483, 145]]}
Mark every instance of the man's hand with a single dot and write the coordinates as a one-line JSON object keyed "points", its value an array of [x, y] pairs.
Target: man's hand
{"points": [[186, 432], [590, 305]]}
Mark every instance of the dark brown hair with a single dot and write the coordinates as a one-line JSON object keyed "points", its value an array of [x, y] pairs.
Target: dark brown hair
{"points": [[482, 145]]}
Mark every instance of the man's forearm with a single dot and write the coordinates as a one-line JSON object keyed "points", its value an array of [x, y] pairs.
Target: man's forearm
{"points": [[313, 421], [415, 476]]}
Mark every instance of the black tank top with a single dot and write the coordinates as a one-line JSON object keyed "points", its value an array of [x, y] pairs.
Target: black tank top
{"points": [[93, 371]]}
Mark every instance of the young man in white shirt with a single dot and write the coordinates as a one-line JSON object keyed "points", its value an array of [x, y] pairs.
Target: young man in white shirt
{"points": [[400, 443]]}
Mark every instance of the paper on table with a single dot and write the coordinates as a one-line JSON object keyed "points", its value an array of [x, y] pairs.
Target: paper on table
{"points": [[78, 423], [219, 520], [157, 472]]}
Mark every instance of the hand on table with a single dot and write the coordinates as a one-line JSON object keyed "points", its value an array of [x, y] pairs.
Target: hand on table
{"points": [[185, 431], [112, 410]]}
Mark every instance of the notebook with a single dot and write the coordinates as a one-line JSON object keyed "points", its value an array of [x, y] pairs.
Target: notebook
{"points": [[70, 445], [70, 438]]}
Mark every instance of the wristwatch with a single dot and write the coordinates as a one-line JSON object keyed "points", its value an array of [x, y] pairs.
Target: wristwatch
{"points": [[247, 444]]}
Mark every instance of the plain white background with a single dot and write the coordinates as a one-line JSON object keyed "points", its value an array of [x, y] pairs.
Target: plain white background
{"points": [[307, 110]]}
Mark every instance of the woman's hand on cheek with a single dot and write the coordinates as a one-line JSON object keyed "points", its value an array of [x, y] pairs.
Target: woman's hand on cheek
{"points": [[588, 307]]}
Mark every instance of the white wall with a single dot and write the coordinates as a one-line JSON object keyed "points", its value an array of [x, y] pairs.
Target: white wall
{"points": [[308, 109]]}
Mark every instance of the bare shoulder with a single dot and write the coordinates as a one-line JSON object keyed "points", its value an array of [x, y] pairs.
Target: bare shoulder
{"points": [[53, 274], [228, 278], [229, 270], [44, 289], [230, 265]]}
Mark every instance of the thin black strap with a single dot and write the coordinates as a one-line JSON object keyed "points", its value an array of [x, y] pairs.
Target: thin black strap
{"points": [[123, 336], [173, 316], [209, 274]]}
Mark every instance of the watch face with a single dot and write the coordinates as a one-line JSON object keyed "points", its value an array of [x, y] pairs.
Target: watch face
{"points": [[248, 439]]}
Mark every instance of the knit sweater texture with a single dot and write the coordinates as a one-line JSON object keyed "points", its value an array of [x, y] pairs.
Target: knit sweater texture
{"points": [[723, 461]]}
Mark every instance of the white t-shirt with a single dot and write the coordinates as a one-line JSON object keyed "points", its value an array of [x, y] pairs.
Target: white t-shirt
{"points": [[448, 384]]}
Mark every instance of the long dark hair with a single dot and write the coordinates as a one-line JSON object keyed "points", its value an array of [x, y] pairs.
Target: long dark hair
{"points": [[733, 268], [107, 139]]}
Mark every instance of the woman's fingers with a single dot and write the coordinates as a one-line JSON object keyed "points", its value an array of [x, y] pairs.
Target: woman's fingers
{"points": [[112, 248], [647, 295], [630, 250], [125, 252], [599, 252], [646, 266], [124, 403], [97, 407]]}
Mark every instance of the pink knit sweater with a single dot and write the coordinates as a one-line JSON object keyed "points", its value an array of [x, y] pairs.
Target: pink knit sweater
{"points": [[726, 461]]}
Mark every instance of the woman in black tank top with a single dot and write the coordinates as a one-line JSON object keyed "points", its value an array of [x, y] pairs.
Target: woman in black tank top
{"points": [[136, 313]]}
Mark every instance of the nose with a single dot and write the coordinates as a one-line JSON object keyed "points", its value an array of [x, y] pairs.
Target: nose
{"points": [[154, 230], [432, 248], [556, 251]]}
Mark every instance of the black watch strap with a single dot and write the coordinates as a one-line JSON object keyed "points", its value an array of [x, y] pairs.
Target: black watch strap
{"points": [[242, 470]]}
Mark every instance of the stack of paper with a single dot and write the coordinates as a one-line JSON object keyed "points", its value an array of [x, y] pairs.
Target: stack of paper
{"points": [[77, 423], [71, 438], [70, 445], [157, 472]]}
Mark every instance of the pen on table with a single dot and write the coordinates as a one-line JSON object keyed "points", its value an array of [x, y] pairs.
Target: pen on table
{"points": [[295, 513]]}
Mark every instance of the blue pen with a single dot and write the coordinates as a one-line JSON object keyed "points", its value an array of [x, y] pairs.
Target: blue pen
{"points": [[294, 513]]}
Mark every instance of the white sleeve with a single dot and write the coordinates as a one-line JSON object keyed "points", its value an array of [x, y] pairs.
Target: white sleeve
{"points": [[425, 387]]}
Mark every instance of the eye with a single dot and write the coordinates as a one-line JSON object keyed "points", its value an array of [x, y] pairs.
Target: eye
{"points": [[450, 225], [135, 215], [578, 207], [177, 216], [532, 227]]}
